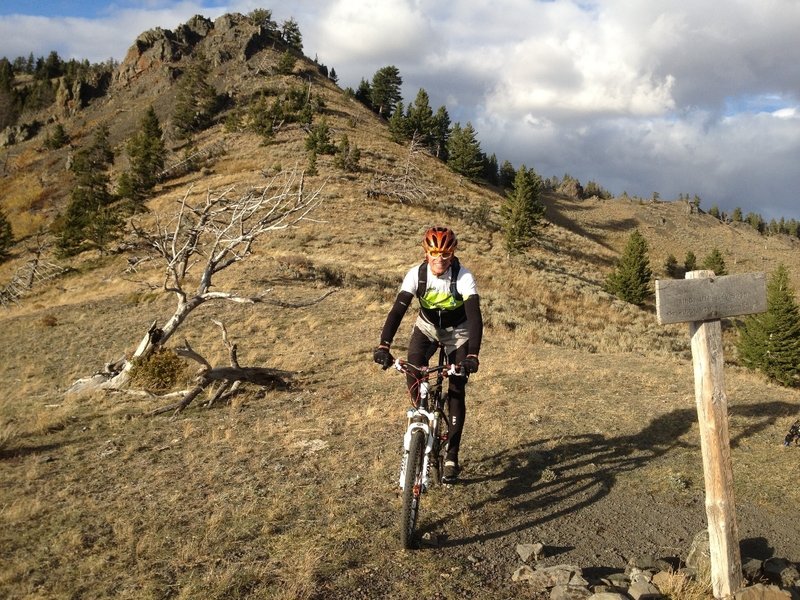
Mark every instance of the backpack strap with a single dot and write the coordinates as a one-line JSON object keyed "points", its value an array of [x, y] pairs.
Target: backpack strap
{"points": [[422, 279]]}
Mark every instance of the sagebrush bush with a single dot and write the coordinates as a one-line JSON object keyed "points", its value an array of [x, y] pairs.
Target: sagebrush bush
{"points": [[160, 372]]}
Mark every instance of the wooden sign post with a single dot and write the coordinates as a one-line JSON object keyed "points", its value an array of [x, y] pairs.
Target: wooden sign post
{"points": [[702, 299]]}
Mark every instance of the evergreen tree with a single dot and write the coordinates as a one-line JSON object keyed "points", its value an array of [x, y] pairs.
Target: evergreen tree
{"points": [[464, 152], [147, 154], [347, 156], [333, 76], [714, 211], [398, 125], [290, 34], [6, 236], [506, 175], [490, 169], [671, 266], [58, 139], [755, 221], [522, 210], [690, 262], [736, 215], [386, 90], [715, 262], [286, 63], [441, 133], [630, 281], [196, 102], [420, 121], [770, 342], [364, 93], [90, 220], [319, 139]]}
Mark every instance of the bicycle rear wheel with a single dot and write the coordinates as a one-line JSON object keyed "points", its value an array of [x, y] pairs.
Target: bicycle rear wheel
{"points": [[412, 488]]}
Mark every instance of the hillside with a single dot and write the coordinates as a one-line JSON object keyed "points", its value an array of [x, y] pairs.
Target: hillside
{"points": [[581, 430]]}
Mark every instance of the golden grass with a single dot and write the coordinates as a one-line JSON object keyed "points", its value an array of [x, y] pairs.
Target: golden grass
{"points": [[293, 493]]}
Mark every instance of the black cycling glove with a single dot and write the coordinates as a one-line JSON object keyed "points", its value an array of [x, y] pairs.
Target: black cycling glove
{"points": [[383, 357], [470, 364]]}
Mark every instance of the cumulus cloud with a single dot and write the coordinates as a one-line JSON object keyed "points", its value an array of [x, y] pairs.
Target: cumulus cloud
{"points": [[688, 96]]}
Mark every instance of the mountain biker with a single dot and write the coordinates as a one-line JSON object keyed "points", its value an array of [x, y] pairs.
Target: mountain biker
{"points": [[449, 313]]}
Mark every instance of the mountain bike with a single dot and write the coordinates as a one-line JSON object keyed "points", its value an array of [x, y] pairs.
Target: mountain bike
{"points": [[425, 439]]}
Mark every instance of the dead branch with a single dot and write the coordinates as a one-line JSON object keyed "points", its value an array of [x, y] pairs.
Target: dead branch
{"points": [[231, 377], [203, 238], [36, 270], [406, 185]]}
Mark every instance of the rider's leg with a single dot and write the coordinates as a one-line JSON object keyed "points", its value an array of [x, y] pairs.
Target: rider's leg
{"points": [[420, 350], [457, 409]]}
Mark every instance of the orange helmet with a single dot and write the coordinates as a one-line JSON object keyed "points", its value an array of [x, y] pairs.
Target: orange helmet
{"points": [[439, 239]]}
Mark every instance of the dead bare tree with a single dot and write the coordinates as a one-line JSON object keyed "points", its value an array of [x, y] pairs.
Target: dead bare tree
{"points": [[36, 270], [406, 185], [201, 240]]}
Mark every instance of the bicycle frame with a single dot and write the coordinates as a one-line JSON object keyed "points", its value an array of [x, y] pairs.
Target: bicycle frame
{"points": [[424, 415]]}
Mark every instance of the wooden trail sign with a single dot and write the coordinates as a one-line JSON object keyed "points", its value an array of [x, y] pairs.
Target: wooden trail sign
{"points": [[701, 300]]}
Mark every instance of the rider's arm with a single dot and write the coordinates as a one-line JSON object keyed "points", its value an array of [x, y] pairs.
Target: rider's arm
{"points": [[472, 306], [396, 314]]}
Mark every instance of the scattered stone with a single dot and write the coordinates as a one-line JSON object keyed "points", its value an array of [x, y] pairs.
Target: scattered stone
{"points": [[644, 590], [699, 557], [525, 551], [762, 592], [577, 579], [523, 573], [619, 580], [570, 592], [752, 569], [608, 596]]}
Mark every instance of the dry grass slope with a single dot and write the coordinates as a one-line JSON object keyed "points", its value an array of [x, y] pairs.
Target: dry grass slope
{"points": [[581, 432]]}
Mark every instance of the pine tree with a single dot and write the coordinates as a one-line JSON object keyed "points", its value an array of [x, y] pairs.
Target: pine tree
{"points": [[715, 262], [147, 154], [290, 34], [385, 90], [690, 262], [770, 342], [506, 175], [420, 121], [6, 236], [398, 125], [671, 266], [464, 152], [630, 281], [441, 133], [522, 210], [58, 139], [196, 101], [319, 139], [90, 220]]}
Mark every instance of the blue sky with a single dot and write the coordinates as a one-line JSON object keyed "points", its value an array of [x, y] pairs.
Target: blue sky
{"points": [[675, 97]]}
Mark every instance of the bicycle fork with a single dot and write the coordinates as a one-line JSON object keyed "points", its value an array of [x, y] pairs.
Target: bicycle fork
{"points": [[418, 419]]}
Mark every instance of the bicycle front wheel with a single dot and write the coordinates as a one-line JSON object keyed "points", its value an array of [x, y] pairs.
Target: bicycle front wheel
{"points": [[412, 488]]}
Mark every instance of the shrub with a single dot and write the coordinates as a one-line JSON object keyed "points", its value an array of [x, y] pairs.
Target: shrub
{"points": [[160, 372]]}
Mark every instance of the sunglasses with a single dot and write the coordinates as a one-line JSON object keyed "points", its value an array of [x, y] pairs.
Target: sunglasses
{"points": [[439, 253]]}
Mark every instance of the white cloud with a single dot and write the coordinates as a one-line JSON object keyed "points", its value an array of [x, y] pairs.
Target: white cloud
{"points": [[686, 96]]}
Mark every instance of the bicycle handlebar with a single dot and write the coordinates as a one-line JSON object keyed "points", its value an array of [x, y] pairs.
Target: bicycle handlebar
{"points": [[447, 370]]}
